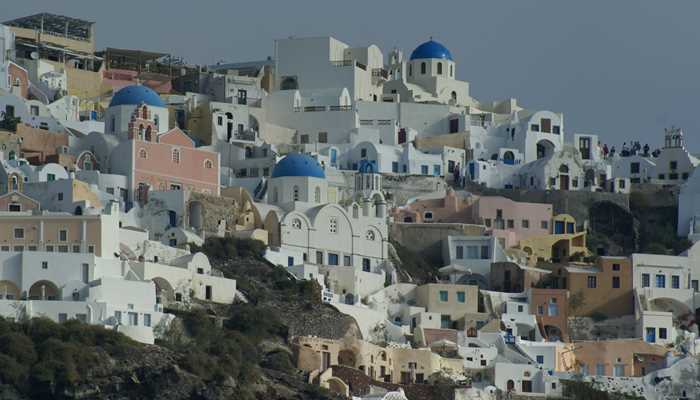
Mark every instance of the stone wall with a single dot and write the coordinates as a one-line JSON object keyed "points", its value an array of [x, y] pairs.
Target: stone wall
{"points": [[427, 238]]}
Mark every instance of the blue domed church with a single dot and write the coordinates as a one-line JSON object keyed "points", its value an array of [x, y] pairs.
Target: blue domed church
{"points": [[304, 227], [428, 76]]}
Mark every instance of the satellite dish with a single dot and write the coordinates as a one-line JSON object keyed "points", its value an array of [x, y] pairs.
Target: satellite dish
{"points": [[34, 55]]}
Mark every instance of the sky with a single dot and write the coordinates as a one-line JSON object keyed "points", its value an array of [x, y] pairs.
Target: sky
{"points": [[622, 69]]}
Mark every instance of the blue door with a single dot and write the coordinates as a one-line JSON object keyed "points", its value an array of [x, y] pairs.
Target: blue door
{"points": [[471, 170], [559, 227], [651, 335], [290, 261], [334, 156]]}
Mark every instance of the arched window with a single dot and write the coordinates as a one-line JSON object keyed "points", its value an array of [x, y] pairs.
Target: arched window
{"points": [[317, 194], [113, 124], [143, 154], [564, 169], [275, 197], [156, 121], [439, 68], [453, 95], [355, 211], [208, 164], [296, 193], [410, 69], [422, 68], [450, 71], [15, 182], [141, 131], [12, 155], [144, 113], [148, 134], [176, 156]]}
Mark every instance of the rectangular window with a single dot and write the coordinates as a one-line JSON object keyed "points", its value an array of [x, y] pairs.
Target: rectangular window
{"points": [[460, 252], [332, 259], [424, 170], [461, 297], [44, 265], [76, 248], [616, 282], [544, 225], [19, 233], [472, 252], [319, 257], [443, 296], [436, 170], [395, 167], [118, 316], [616, 267], [366, 265], [546, 124], [15, 207], [511, 224], [661, 281], [592, 282], [62, 317], [525, 224], [445, 322], [487, 222], [634, 168], [50, 177], [676, 282], [484, 252], [91, 249], [694, 285], [347, 261], [535, 128], [600, 369], [62, 235], [323, 137], [49, 248], [133, 319], [553, 309], [146, 319], [540, 359], [663, 333], [619, 370], [63, 249], [673, 165], [645, 280]]}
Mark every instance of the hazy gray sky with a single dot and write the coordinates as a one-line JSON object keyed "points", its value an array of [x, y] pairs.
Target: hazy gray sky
{"points": [[621, 69]]}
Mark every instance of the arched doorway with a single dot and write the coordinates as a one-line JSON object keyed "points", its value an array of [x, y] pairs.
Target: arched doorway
{"points": [[349, 299], [78, 210], [44, 290], [510, 385], [552, 333], [195, 215], [563, 177], [347, 358], [509, 158], [545, 148], [164, 291]]}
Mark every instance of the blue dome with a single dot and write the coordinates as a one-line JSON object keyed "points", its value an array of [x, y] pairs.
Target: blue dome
{"points": [[295, 164], [135, 95], [431, 49]]}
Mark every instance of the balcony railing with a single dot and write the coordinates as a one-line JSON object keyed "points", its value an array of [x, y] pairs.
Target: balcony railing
{"points": [[348, 63], [380, 73]]}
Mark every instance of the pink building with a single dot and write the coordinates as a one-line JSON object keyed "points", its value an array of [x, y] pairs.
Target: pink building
{"points": [[454, 208], [170, 161], [509, 220], [513, 220]]}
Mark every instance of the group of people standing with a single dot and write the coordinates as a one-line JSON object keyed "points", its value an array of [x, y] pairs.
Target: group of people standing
{"points": [[632, 149]]}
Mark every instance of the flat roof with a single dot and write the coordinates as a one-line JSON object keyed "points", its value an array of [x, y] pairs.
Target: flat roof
{"points": [[59, 25]]}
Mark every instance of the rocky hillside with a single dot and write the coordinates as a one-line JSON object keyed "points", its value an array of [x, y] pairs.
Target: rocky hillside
{"points": [[240, 351]]}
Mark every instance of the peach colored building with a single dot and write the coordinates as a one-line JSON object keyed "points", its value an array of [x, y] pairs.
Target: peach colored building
{"points": [[40, 146], [551, 308], [17, 202], [621, 357], [453, 207], [169, 161], [19, 80]]}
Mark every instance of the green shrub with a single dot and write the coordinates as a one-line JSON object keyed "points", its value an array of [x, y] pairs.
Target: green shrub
{"points": [[598, 316]]}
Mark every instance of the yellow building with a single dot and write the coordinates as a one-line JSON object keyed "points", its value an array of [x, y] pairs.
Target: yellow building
{"points": [[562, 242], [392, 365]]}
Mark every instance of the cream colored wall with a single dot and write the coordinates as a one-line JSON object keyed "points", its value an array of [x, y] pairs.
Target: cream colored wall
{"points": [[428, 296], [52, 227]]}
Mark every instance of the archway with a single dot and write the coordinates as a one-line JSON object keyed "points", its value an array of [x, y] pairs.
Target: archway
{"points": [[510, 385], [349, 299], [195, 215], [289, 83], [552, 333], [78, 210], [509, 158], [8, 290], [545, 148], [44, 290], [347, 358], [164, 291], [560, 250], [148, 134]]}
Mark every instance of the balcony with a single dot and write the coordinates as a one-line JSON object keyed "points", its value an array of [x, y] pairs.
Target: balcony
{"points": [[380, 73]]}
